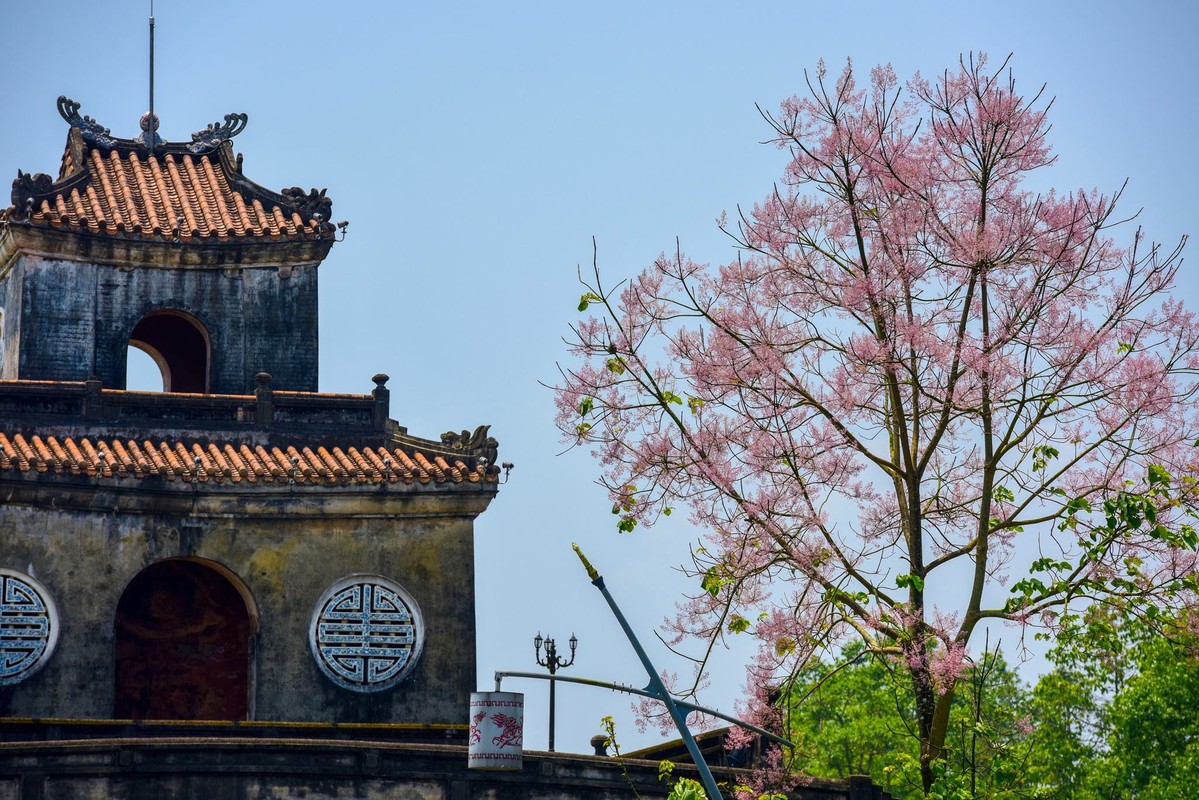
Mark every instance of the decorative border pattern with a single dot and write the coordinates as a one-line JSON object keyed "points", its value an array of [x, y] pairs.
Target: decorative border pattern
{"points": [[366, 633], [28, 626]]}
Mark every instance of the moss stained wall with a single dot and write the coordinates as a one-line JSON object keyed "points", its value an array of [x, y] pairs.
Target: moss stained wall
{"points": [[258, 319], [286, 547]]}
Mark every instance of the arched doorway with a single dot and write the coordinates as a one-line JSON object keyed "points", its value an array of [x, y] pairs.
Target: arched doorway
{"points": [[179, 345], [183, 643]]}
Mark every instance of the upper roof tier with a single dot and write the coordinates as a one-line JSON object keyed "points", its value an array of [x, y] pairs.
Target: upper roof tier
{"points": [[182, 193]]}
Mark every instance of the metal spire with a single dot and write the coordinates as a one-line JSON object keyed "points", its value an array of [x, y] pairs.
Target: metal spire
{"points": [[150, 134]]}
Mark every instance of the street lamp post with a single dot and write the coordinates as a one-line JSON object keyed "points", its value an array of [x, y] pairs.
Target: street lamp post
{"points": [[553, 663]]}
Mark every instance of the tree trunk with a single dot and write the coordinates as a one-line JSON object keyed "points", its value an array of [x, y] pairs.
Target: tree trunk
{"points": [[932, 716]]}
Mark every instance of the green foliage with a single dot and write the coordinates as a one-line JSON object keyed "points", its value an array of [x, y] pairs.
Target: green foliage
{"points": [[1117, 716], [1154, 724], [1140, 597], [1066, 717], [1116, 719], [989, 745], [609, 726], [623, 508], [855, 720], [1003, 494], [858, 718], [1042, 455], [712, 581], [687, 789]]}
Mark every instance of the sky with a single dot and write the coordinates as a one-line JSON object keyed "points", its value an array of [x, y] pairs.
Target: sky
{"points": [[477, 148]]}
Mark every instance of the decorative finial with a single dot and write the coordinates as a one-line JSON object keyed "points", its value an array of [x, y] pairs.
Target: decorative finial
{"points": [[145, 126], [591, 571]]}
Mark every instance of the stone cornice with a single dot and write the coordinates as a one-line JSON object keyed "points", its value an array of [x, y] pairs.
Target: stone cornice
{"points": [[17, 238]]}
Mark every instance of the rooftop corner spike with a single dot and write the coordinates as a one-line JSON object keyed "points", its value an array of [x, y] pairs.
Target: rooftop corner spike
{"points": [[211, 137]]}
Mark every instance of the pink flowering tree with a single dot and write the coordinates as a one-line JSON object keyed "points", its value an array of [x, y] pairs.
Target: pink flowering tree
{"points": [[914, 372]]}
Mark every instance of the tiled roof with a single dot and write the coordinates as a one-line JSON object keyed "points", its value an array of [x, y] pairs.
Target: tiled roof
{"points": [[179, 192], [232, 462]]}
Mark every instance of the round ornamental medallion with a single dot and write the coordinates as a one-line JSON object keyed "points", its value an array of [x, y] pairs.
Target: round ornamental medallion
{"points": [[366, 633], [28, 626]]}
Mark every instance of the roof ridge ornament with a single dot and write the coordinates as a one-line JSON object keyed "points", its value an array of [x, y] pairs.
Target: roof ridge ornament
{"points": [[212, 136], [144, 136], [311, 205], [478, 444], [27, 191], [92, 131]]}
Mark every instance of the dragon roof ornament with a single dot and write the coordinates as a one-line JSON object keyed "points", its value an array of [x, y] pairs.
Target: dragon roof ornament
{"points": [[92, 131], [203, 141], [211, 137]]}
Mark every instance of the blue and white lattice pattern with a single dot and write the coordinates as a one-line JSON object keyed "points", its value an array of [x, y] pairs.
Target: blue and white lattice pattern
{"points": [[28, 626], [366, 633]]}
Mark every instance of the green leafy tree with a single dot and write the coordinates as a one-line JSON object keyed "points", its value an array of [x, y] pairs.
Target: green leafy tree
{"points": [[1154, 745], [857, 717], [1067, 720], [1123, 727]]}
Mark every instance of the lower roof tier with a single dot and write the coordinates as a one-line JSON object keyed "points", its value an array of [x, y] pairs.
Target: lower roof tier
{"points": [[233, 461], [272, 438]]}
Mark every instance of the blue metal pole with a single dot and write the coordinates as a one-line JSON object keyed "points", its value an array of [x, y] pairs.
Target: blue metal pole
{"points": [[655, 683], [620, 687]]}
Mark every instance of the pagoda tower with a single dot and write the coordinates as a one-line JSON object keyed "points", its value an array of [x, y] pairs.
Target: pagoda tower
{"points": [[239, 547]]}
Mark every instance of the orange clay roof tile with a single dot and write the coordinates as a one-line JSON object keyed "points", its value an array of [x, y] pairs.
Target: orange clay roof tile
{"points": [[120, 188], [231, 462]]}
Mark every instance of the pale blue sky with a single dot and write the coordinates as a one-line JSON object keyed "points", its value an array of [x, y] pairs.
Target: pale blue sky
{"points": [[476, 149]]}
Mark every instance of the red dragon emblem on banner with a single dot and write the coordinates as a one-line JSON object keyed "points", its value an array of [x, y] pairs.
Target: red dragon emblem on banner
{"points": [[510, 731], [475, 734]]}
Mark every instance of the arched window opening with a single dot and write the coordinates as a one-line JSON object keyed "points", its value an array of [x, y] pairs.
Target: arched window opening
{"points": [[183, 644], [178, 344]]}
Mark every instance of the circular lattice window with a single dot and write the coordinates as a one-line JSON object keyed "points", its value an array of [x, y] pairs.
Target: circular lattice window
{"points": [[28, 626], [366, 633]]}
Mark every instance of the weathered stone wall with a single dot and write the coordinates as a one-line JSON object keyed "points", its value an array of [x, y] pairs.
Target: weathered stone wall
{"points": [[261, 319], [56, 319], [280, 769], [10, 297], [286, 545]]}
